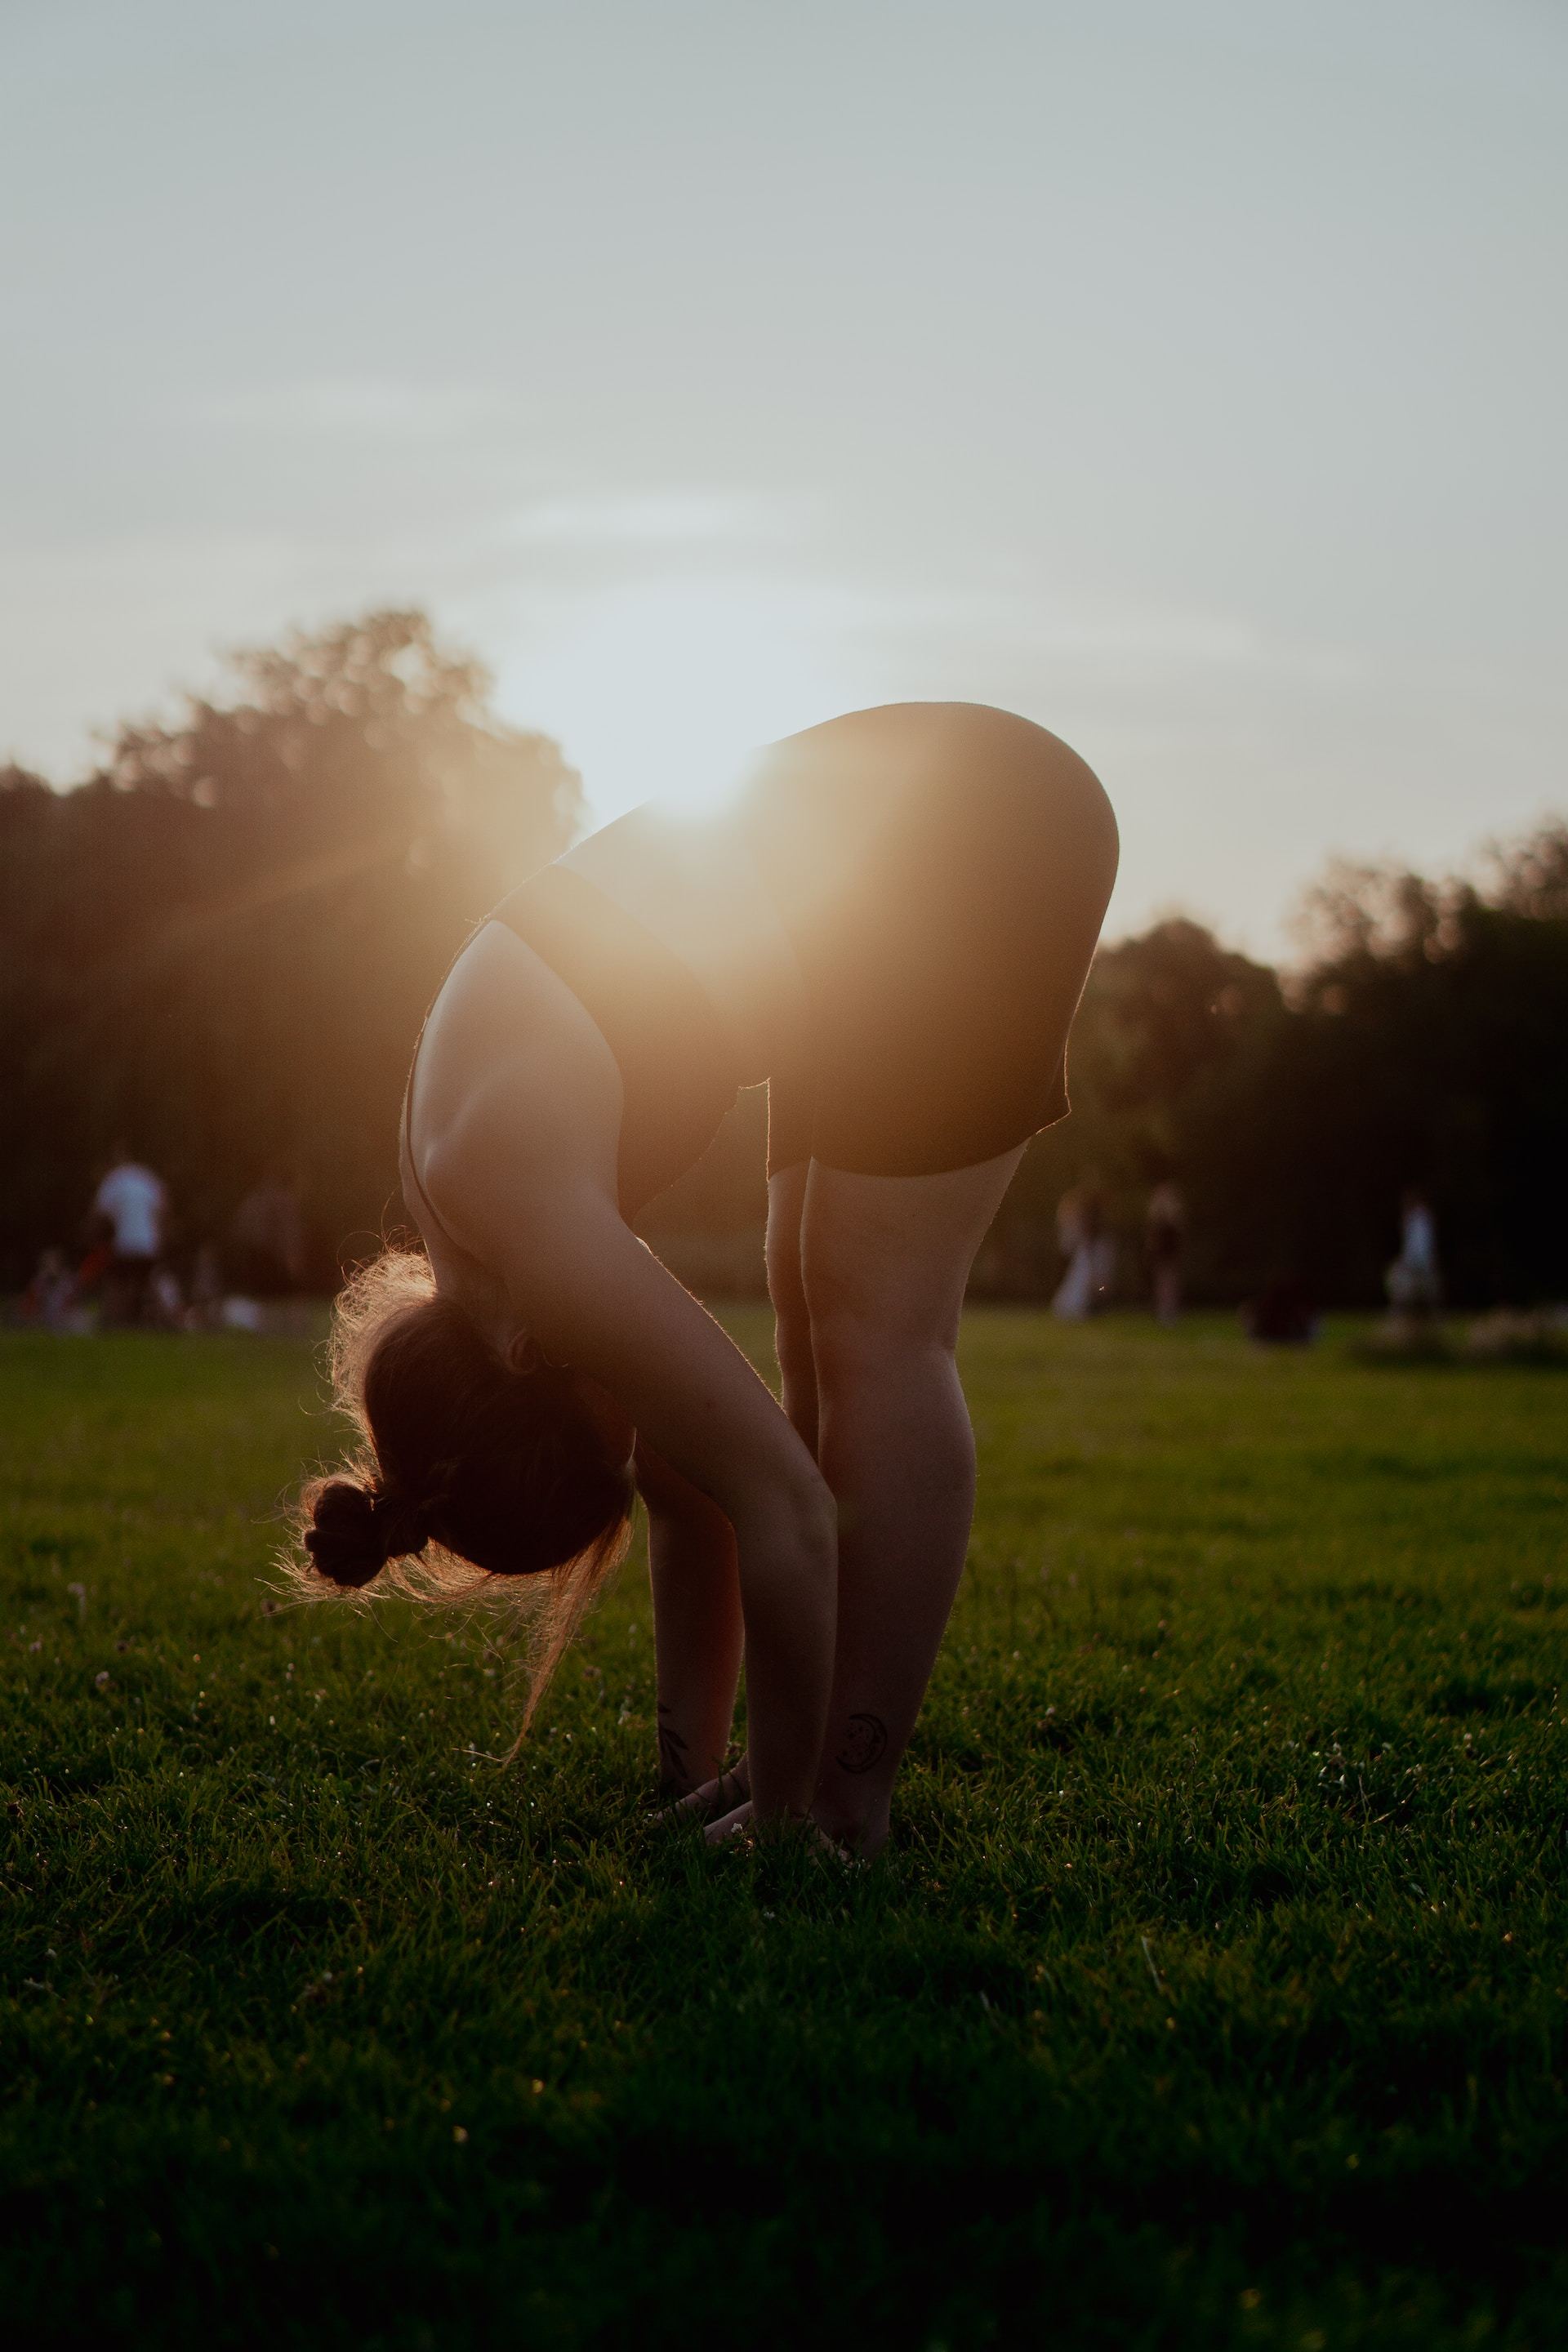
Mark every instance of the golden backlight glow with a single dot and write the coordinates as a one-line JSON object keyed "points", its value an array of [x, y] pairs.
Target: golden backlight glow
{"points": [[660, 688]]}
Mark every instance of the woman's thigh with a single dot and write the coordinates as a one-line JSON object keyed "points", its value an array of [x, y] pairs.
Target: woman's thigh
{"points": [[884, 1259]]}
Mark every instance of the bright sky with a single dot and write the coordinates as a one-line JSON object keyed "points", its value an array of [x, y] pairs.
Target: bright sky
{"points": [[1192, 379]]}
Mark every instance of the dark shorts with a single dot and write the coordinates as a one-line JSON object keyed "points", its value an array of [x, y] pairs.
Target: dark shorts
{"points": [[128, 1286], [940, 981]]}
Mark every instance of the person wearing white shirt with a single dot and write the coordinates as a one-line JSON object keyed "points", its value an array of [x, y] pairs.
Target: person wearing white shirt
{"points": [[135, 1205], [1415, 1282]]}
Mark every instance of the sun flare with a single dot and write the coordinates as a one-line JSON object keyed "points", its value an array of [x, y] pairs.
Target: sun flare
{"points": [[660, 689]]}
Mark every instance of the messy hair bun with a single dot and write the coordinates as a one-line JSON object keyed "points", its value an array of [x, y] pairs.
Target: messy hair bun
{"points": [[472, 1477], [354, 1530]]}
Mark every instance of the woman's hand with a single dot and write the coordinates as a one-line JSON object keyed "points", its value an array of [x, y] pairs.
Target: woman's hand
{"points": [[594, 1296], [714, 1799], [696, 1631], [788, 1548], [740, 1825]]}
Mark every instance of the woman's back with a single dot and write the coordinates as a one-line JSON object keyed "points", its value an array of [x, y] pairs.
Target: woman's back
{"points": [[811, 842]]}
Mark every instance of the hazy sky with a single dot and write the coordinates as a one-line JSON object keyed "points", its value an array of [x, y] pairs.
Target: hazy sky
{"points": [[1191, 378]]}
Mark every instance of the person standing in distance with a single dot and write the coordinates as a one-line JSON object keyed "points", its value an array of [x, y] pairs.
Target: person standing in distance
{"points": [[135, 1205]]}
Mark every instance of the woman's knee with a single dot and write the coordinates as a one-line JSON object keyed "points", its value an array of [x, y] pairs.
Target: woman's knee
{"points": [[855, 1347], [885, 1260], [864, 1312]]}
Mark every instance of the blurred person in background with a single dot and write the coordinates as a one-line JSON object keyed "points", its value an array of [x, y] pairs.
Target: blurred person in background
{"points": [[268, 1237], [890, 919], [1414, 1281], [134, 1205], [52, 1299], [1164, 1235], [165, 1301], [1090, 1253]]}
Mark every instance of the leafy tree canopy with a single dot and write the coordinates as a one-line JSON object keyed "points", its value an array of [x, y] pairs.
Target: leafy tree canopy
{"points": [[222, 943]]}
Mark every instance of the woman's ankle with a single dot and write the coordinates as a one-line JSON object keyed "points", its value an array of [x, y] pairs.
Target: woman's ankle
{"points": [[862, 1831]]}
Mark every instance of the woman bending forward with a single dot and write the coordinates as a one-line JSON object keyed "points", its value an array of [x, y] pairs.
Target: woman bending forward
{"points": [[890, 922]]}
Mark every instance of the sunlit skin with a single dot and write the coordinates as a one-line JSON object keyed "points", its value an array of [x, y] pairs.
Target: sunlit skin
{"points": [[824, 1535], [516, 1126]]}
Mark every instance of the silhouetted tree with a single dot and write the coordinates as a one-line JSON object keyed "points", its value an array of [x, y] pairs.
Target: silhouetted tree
{"points": [[1421, 1044], [1426, 1048], [1172, 1045], [221, 946]]}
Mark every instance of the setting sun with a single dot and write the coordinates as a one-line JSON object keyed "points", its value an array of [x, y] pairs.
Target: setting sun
{"points": [[660, 689]]}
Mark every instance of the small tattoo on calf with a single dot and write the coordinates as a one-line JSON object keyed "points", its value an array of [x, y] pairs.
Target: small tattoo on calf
{"points": [[865, 1743]]}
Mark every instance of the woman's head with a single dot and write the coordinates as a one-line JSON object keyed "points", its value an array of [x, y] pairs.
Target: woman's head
{"points": [[470, 1470]]}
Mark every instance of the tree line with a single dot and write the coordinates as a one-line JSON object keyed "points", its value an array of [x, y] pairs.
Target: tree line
{"points": [[218, 949], [1419, 1046]]}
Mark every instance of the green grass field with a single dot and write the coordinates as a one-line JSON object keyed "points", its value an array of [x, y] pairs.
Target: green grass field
{"points": [[1215, 1990]]}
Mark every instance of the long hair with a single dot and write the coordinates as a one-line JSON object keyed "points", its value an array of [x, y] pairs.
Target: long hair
{"points": [[470, 1482]]}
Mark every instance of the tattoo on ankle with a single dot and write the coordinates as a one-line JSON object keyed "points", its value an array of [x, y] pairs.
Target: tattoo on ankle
{"points": [[865, 1743], [673, 1774]]}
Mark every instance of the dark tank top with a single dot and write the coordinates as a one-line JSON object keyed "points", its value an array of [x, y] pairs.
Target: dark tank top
{"points": [[645, 1002]]}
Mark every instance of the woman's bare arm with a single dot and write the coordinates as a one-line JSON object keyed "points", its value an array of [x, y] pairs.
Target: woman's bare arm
{"points": [[595, 1297], [697, 1625], [522, 1104]]}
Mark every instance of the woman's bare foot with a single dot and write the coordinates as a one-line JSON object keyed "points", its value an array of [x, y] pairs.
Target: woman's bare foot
{"points": [[723, 1807], [862, 1835]]}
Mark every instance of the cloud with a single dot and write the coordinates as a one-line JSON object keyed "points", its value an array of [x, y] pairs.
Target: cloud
{"points": [[1091, 631], [379, 406], [658, 517]]}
